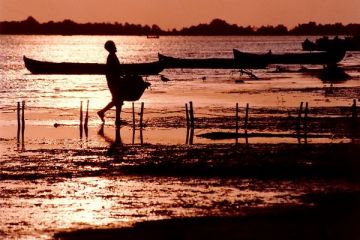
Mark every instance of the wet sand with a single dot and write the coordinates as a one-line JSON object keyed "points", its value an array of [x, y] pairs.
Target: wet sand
{"points": [[331, 216]]}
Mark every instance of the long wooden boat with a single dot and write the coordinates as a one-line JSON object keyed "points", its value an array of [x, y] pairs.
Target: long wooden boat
{"points": [[316, 58], [42, 67], [326, 44], [203, 63]]}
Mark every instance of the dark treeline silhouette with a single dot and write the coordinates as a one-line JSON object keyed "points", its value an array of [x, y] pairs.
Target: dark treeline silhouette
{"points": [[215, 27]]}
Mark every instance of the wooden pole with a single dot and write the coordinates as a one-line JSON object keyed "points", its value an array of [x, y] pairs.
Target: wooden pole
{"points": [[237, 123], [192, 124], [141, 115], [81, 113], [141, 123], [299, 115], [354, 110], [187, 116], [191, 140], [81, 119], [133, 122], [86, 115], [23, 123], [133, 115], [306, 111], [246, 116], [305, 121], [23, 114], [18, 121]]}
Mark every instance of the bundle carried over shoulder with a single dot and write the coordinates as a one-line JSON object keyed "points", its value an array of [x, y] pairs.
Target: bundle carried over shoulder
{"points": [[132, 87]]}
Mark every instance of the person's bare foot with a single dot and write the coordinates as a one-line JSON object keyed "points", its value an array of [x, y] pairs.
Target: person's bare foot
{"points": [[101, 116]]}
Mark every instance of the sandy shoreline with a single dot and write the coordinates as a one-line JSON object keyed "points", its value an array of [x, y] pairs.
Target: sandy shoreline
{"points": [[332, 216]]}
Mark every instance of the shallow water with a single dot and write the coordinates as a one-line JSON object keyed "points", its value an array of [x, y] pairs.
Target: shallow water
{"points": [[57, 179], [66, 91]]}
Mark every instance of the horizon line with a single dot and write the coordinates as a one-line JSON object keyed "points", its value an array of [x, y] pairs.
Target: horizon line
{"points": [[197, 24]]}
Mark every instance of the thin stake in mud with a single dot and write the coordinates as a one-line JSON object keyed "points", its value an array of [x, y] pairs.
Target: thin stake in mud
{"points": [[354, 109], [246, 116], [237, 123], [81, 119], [187, 123], [86, 119], [141, 123], [305, 121], [191, 112], [354, 113], [187, 116], [86, 115], [298, 124], [246, 122], [23, 123], [190, 123], [133, 123], [18, 123], [299, 115]]}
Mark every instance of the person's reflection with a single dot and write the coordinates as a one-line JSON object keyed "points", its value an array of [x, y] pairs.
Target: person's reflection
{"points": [[116, 147]]}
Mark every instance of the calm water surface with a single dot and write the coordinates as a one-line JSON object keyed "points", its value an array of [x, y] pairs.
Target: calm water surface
{"points": [[66, 91]]}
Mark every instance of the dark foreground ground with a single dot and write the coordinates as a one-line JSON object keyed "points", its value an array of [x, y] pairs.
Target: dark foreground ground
{"points": [[330, 216], [324, 216]]}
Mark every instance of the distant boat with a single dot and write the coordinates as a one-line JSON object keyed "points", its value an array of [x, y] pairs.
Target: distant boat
{"points": [[42, 67], [316, 58], [326, 44], [152, 36]]}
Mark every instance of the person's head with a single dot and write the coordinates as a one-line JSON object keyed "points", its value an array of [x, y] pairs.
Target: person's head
{"points": [[110, 46]]}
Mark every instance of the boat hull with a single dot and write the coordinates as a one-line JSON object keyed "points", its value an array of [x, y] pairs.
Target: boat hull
{"points": [[42, 67], [315, 58]]}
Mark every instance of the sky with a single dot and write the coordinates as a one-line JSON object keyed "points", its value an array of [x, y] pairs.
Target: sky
{"points": [[170, 14]]}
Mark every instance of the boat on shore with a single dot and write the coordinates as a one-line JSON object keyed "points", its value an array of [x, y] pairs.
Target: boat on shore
{"points": [[152, 36], [326, 44], [44, 67], [315, 58]]}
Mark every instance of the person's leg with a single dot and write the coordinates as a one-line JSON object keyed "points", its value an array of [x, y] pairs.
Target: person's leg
{"points": [[102, 112], [117, 116]]}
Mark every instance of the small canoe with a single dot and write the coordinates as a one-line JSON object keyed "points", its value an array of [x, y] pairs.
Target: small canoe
{"points": [[316, 58], [42, 67]]}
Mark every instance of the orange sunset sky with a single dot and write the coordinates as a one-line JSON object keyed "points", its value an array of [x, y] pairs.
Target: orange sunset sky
{"points": [[170, 14]]}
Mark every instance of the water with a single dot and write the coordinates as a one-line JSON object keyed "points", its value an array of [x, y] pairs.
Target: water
{"points": [[57, 180], [63, 91]]}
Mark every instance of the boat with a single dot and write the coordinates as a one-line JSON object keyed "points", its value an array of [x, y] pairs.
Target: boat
{"points": [[152, 36], [204, 63], [316, 58], [326, 44], [245, 59], [43, 67]]}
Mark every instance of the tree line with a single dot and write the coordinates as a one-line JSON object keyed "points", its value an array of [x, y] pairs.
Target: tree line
{"points": [[215, 27]]}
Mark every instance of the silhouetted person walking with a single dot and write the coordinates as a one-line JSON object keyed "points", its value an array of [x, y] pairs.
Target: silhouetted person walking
{"points": [[113, 78]]}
